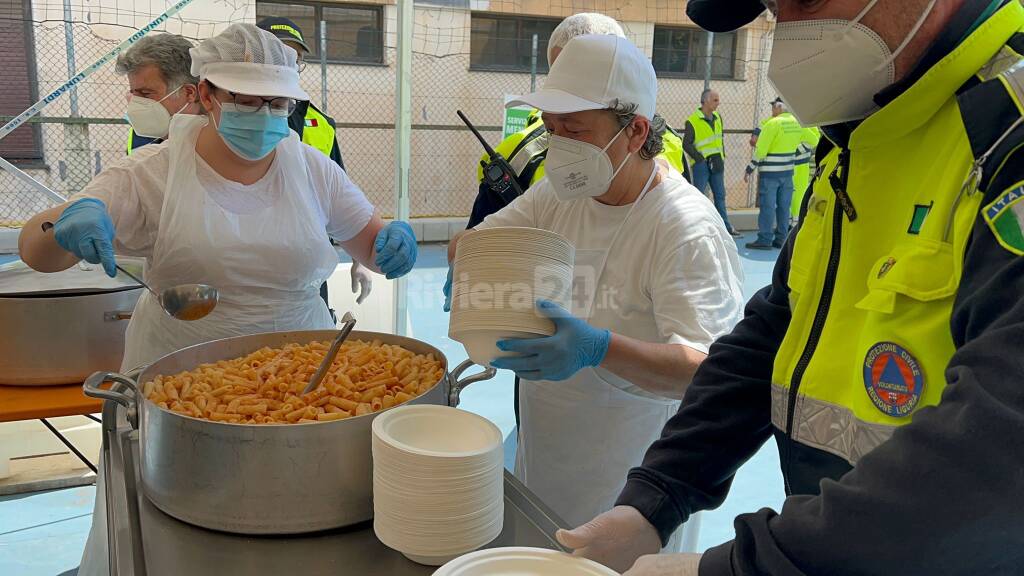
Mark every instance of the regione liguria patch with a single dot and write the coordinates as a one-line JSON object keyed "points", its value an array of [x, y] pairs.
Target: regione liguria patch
{"points": [[893, 379], [1005, 217]]}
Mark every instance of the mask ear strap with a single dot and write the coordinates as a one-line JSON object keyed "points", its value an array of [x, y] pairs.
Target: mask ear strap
{"points": [[214, 118], [614, 138], [910, 36], [171, 93], [856, 19]]}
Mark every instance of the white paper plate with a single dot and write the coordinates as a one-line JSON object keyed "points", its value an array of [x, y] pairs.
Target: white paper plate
{"points": [[437, 431], [522, 562]]}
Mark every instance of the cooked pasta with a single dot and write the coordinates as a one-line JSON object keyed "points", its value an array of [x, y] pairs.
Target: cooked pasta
{"points": [[265, 386]]}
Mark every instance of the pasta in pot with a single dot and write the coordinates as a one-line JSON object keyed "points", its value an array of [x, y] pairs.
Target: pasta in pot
{"points": [[265, 386]]}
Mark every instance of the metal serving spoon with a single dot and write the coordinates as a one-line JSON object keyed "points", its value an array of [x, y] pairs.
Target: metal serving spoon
{"points": [[321, 372], [184, 301]]}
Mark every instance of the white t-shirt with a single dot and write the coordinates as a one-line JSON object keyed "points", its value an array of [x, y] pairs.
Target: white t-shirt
{"points": [[673, 275], [133, 190]]}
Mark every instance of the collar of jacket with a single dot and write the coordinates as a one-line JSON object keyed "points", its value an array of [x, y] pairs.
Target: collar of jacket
{"points": [[961, 25], [922, 99], [300, 109]]}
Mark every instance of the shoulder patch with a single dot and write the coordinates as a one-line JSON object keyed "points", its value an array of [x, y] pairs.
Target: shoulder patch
{"points": [[1005, 217]]}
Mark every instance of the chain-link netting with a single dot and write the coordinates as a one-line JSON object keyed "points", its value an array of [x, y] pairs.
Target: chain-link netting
{"points": [[467, 55]]}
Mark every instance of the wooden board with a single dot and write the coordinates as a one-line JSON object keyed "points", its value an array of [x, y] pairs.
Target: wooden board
{"points": [[34, 402]]}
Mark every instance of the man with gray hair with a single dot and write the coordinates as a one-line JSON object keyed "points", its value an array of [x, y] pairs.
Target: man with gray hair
{"points": [[704, 141], [160, 84]]}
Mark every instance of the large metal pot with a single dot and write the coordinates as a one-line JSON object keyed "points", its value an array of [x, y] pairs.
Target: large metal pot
{"points": [[61, 327], [253, 479]]}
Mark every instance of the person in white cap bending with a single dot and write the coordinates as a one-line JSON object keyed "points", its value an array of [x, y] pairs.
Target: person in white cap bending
{"points": [[232, 199], [657, 280]]}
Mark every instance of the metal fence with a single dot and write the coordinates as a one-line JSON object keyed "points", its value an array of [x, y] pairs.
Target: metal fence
{"points": [[84, 132]]}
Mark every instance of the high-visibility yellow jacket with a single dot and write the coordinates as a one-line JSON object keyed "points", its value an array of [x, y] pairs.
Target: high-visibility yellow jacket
{"points": [[777, 145], [885, 357]]}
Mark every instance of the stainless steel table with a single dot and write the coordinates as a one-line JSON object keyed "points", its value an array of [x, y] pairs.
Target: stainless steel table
{"points": [[143, 541]]}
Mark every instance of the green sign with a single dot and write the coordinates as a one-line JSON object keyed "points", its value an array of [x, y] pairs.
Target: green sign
{"points": [[515, 118]]}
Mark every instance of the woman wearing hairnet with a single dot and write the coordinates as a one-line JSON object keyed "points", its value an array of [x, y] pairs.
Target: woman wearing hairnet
{"points": [[233, 200]]}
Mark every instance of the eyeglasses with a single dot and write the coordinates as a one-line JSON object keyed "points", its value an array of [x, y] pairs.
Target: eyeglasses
{"points": [[280, 106]]}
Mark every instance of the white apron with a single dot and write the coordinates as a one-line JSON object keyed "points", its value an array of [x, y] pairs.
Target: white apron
{"points": [[579, 438], [267, 267]]}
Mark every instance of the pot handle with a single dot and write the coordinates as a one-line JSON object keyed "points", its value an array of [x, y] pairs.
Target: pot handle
{"points": [[117, 315], [92, 384], [459, 385]]}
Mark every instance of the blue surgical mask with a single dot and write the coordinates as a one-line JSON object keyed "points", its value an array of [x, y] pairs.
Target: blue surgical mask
{"points": [[251, 135]]}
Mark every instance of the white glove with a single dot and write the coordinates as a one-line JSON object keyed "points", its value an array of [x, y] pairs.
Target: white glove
{"points": [[666, 565], [362, 282], [616, 538]]}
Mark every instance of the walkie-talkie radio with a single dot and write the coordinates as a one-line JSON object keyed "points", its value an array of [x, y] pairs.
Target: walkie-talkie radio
{"points": [[498, 174]]}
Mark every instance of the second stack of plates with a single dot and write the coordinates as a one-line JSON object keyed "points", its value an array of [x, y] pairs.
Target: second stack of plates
{"points": [[437, 482], [497, 277]]}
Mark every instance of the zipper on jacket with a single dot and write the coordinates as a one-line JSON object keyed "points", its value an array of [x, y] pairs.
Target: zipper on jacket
{"points": [[837, 179]]}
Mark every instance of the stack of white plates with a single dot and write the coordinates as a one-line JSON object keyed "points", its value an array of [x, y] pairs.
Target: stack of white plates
{"points": [[522, 562], [437, 482], [497, 277]]}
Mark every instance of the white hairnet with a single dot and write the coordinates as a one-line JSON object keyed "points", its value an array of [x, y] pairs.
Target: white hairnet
{"points": [[580, 24], [248, 60]]}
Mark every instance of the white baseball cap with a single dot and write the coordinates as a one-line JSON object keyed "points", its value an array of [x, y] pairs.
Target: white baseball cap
{"points": [[594, 72], [247, 60]]}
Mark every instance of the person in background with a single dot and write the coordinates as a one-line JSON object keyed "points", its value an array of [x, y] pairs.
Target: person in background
{"points": [[774, 159], [160, 83], [809, 138], [318, 130], [656, 280], [704, 142], [885, 357], [525, 150]]}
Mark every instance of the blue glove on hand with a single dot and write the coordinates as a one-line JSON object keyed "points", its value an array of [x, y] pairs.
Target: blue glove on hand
{"points": [[574, 346], [396, 249], [448, 291], [86, 230]]}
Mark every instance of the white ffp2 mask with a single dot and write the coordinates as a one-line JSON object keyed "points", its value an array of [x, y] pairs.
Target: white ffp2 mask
{"points": [[148, 117], [828, 71], [579, 169]]}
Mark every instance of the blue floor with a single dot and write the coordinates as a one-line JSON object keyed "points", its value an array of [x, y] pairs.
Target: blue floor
{"points": [[42, 534]]}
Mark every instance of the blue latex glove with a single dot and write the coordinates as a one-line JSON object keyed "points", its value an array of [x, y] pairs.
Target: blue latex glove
{"points": [[396, 249], [86, 230], [448, 291], [574, 346]]}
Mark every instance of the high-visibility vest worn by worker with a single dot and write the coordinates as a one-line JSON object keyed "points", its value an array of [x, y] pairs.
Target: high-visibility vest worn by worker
{"points": [[707, 139], [524, 150], [318, 131], [136, 141], [777, 146], [674, 154], [879, 255], [809, 139]]}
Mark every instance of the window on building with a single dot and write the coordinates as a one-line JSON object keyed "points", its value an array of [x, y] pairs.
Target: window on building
{"points": [[681, 53], [17, 60], [505, 43], [355, 33]]}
